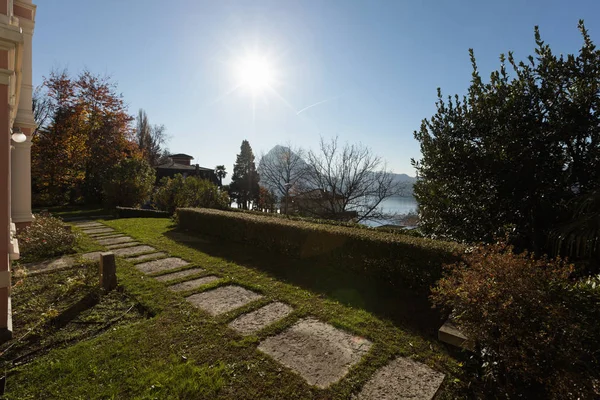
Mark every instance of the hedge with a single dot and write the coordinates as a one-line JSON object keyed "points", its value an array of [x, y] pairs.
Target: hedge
{"points": [[127, 212], [401, 260]]}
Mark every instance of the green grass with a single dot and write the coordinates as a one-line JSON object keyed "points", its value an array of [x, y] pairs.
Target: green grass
{"points": [[182, 352]]}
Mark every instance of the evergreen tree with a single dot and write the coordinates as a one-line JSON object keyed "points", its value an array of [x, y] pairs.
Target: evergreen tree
{"points": [[244, 187], [512, 153]]}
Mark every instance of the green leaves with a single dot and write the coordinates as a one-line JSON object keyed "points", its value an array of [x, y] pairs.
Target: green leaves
{"points": [[513, 151]]}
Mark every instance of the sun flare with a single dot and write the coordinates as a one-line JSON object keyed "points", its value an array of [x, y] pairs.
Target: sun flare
{"points": [[256, 74]]}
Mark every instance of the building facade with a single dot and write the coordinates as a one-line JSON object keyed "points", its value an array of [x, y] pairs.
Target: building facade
{"points": [[17, 125]]}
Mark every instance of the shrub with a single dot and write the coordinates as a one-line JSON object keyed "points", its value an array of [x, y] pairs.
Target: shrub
{"points": [[398, 259], [47, 236], [128, 212], [129, 184], [535, 329], [179, 192]]}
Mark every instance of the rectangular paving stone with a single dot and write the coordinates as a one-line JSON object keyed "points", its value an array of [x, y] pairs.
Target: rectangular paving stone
{"points": [[121, 245], [254, 321], [179, 274], [150, 256], [193, 284], [93, 256], [223, 299], [98, 230], [163, 264], [88, 225], [106, 235], [132, 251], [83, 221], [319, 352], [119, 240], [403, 378]]}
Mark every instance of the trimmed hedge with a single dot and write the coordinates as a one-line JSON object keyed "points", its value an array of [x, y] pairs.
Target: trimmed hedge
{"points": [[127, 212], [400, 260]]}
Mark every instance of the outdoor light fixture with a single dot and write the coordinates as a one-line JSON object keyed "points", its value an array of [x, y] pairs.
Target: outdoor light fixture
{"points": [[18, 136]]}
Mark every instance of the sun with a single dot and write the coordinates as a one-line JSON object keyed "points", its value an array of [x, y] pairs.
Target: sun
{"points": [[256, 74]]}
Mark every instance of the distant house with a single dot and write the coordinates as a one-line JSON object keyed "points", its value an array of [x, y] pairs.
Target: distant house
{"points": [[182, 164], [318, 203]]}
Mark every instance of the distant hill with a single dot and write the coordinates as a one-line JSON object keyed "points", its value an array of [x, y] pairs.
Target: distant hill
{"points": [[407, 181]]}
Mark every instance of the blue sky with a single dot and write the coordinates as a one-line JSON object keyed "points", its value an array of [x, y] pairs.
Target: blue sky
{"points": [[378, 63]]}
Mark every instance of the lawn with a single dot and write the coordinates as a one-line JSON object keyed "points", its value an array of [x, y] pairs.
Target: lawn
{"points": [[169, 349]]}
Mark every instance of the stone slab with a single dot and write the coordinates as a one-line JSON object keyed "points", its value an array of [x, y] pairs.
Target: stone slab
{"points": [[89, 225], [133, 251], [98, 230], [319, 352], [80, 221], [402, 379], [122, 245], [93, 256], [144, 257], [106, 235], [193, 284], [254, 321], [57, 264], [50, 265], [163, 264], [449, 333], [119, 240], [179, 274], [223, 299]]}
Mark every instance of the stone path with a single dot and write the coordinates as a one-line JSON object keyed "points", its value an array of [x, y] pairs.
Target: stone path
{"points": [[223, 299], [317, 351], [254, 321], [193, 284]]}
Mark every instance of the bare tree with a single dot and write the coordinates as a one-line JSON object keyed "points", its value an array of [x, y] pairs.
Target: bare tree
{"points": [[281, 170], [150, 138], [42, 108], [347, 181]]}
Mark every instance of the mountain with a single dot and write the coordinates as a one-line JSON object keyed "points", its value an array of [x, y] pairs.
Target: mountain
{"points": [[407, 181]]}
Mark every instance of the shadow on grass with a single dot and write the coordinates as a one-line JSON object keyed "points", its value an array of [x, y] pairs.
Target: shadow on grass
{"points": [[407, 309]]}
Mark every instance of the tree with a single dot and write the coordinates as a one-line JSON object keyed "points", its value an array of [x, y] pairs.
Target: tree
{"points": [[221, 173], [267, 200], [351, 181], [244, 182], [42, 108], [282, 169], [150, 139], [512, 153], [87, 134], [130, 183]]}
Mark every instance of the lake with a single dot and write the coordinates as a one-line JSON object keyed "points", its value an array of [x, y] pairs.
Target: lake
{"points": [[395, 204]]}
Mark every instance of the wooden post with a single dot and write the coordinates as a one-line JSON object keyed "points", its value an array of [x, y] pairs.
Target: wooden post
{"points": [[108, 271]]}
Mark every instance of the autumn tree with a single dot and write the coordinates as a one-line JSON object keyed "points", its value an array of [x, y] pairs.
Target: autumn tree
{"points": [[267, 200], [343, 181], [282, 169], [151, 139], [512, 154], [244, 187], [87, 134]]}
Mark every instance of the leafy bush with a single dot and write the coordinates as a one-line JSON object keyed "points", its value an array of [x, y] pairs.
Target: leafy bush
{"points": [[398, 259], [536, 329], [515, 149], [128, 212], [47, 236], [179, 192], [129, 184]]}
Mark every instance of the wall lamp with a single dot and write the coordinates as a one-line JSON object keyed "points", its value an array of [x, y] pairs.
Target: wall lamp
{"points": [[18, 136]]}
